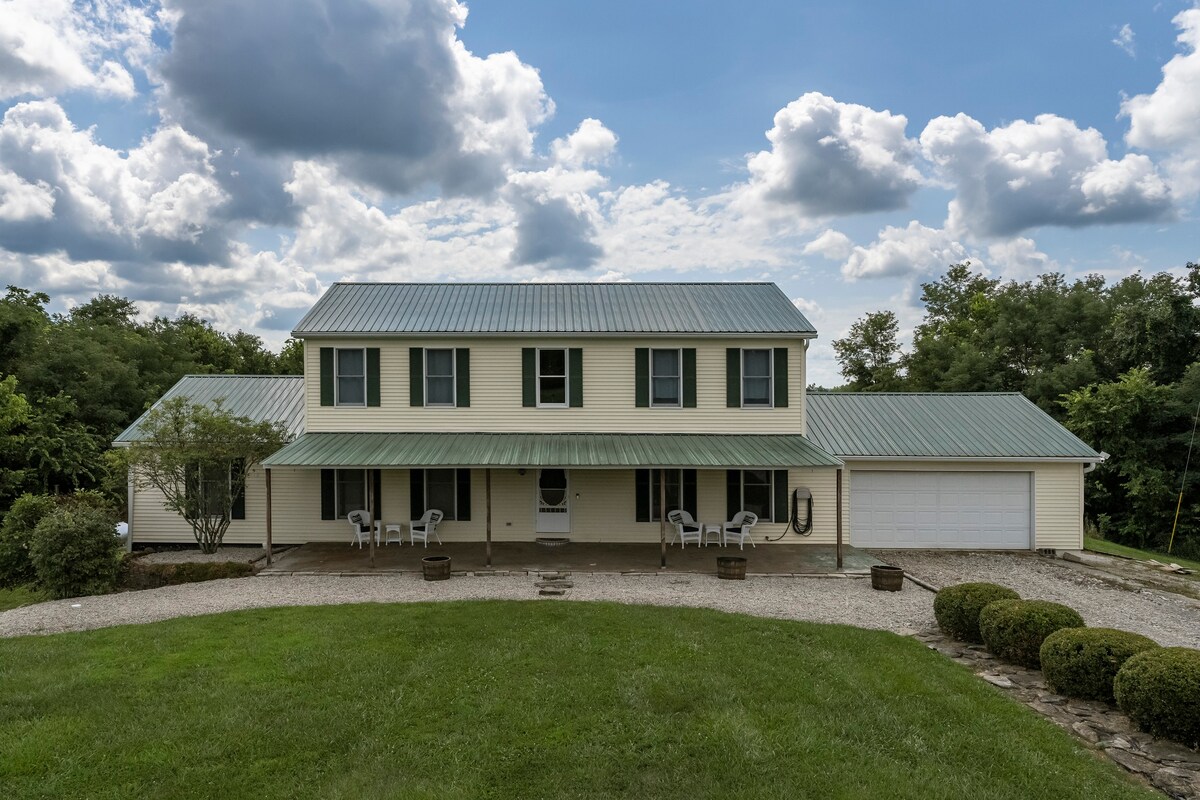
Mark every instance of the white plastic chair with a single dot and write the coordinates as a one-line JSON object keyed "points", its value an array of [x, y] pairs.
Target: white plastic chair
{"points": [[686, 528], [739, 528], [360, 528], [424, 527]]}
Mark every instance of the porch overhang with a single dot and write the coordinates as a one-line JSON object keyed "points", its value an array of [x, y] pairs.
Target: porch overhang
{"points": [[568, 450]]}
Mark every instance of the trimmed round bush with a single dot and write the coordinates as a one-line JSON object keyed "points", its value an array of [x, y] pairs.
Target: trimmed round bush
{"points": [[957, 608], [74, 551], [1160, 690], [15, 535], [1082, 662], [1015, 629]]}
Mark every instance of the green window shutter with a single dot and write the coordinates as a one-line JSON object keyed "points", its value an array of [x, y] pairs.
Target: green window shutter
{"points": [[641, 489], [237, 486], [528, 377], [462, 377], [689, 492], [781, 377], [575, 376], [416, 376], [733, 377], [780, 493], [377, 493], [372, 376], [689, 378], [326, 376], [328, 498], [733, 492], [462, 497], [416, 493], [641, 382]]}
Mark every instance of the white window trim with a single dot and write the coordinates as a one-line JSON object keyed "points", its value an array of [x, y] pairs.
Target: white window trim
{"points": [[337, 383], [449, 515], [453, 376], [770, 489], [566, 376], [337, 492], [770, 373], [678, 377]]}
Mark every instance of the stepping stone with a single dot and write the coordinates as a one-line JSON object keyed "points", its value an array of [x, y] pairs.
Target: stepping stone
{"points": [[552, 592]]}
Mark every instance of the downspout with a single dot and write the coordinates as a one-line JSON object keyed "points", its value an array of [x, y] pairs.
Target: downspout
{"points": [[129, 514]]}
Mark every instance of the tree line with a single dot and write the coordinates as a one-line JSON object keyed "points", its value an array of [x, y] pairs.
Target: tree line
{"points": [[70, 382], [1117, 363]]}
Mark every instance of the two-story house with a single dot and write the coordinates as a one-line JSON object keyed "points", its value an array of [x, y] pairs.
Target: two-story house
{"points": [[586, 410]]}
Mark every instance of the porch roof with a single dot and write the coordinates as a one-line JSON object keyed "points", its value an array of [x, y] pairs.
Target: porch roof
{"points": [[583, 450]]}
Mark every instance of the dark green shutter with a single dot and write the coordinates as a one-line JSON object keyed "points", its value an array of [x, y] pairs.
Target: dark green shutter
{"points": [[372, 376], [377, 479], [328, 494], [641, 490], [575, 376], [780, 479], [416, 493], [416, 376], [462, 497], [733, 377], [528, 377], [237, 487], [781, 377], [641, 377], [326, 376], [733, 492], [689, 492], [689, 377], [462, 377]]}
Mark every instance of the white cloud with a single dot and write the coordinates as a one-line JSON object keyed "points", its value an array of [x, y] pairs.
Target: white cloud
{"points": [[901, 252], [1019, 258], [21, 200], [1166, 119], [590, 143], [831, 244], [1124, 40]]}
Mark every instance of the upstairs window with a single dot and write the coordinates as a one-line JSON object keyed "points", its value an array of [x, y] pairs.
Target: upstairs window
{"points": [[665, 378], [552, 378], [439, 377], [350, 376], [756, 378]]}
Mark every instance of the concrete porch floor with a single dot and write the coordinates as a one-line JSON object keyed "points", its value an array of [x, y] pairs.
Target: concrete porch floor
{"points": [[331, 558]]}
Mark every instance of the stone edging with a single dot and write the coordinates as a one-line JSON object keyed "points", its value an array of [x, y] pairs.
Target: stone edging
{"points": [[1169, 767]]}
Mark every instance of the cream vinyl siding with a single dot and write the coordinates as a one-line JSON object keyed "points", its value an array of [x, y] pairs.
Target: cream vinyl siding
{"points": [[1057, 494], [153, 523], [608, 390]]}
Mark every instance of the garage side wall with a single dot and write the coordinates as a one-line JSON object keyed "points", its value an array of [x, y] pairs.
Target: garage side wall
{"points": [[1057, 494]]}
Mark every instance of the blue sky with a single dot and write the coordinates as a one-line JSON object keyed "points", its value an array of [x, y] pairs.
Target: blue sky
{"points": [[233, 159]]}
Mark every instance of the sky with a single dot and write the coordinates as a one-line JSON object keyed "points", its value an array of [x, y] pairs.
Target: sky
{"points": [[233, 159]]}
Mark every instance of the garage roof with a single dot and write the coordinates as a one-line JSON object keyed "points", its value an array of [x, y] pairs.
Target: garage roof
{"points": [[916, 425], [262, 398]]}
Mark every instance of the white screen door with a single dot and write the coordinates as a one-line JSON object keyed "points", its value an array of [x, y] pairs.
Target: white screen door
{"points": [[553, 502]]}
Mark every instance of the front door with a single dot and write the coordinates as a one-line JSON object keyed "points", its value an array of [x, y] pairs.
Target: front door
{"points": [[553, 505]]}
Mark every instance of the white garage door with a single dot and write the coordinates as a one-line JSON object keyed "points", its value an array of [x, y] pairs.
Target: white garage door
{"points": [[959, 510]]}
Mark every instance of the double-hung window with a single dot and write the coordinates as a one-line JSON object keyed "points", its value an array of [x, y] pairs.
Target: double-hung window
{"points": [[756, 378], [209, 488], [439, 376], [441, 491], [757, 492], [552, 378], [350, 491], [665, 378], [674, 490], [350, 376]]}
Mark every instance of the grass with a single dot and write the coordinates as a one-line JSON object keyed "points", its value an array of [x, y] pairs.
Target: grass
{"points": [[20, 596], [1114, 549], [513, 700]]}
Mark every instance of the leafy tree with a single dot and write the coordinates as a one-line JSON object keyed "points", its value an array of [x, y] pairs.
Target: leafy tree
{"points": [[198, 456], [291, 358], [869, 354], [14, 418]]}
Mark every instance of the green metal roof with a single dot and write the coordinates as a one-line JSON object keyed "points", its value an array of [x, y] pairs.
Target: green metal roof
{"points": [[271, 398], [563, 308], [550, 450], [990, 425]]}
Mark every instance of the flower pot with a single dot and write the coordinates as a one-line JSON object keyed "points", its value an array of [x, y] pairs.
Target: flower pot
{"points": [[887, 579], [435, 568], [731, 568]]}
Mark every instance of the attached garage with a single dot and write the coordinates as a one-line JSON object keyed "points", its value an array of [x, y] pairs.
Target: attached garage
{"points": [[954, 510]]}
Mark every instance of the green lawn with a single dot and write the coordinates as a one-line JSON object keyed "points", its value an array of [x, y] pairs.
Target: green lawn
{"points": [[20, 596], [1114, 549], [516, 700]]}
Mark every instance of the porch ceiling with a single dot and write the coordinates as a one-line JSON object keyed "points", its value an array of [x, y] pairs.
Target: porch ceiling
{"points": [[583, 450]]}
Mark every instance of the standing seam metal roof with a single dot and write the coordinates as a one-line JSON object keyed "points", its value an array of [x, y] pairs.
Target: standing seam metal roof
{"points": [[565, 308], [270, 398], [977, 425]]}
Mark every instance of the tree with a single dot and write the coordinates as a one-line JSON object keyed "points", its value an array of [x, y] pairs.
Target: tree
{"points": [[198, 457], [869, 354], [14, 418]]}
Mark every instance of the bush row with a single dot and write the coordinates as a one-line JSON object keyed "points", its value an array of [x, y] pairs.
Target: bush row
{"points": [[139, 575], [1158, 687], [64, 544]]}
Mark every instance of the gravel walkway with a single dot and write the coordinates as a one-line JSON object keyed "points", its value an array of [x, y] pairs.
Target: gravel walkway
{"points": [[1169, 619], [849, 601]]}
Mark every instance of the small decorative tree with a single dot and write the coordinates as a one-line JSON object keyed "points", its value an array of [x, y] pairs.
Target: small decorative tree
{"points": [[198, 456]]}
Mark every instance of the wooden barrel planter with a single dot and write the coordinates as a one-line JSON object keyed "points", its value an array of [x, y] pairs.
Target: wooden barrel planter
{"points": [[887, 578], [435, 568], [731, 568]]}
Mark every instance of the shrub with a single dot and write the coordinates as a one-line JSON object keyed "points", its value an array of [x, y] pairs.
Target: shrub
{"points": [[1160, 690], [957, 608], [1082, 662], [15, 535], [1015, 629], [74, 551], [150, 576]]}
